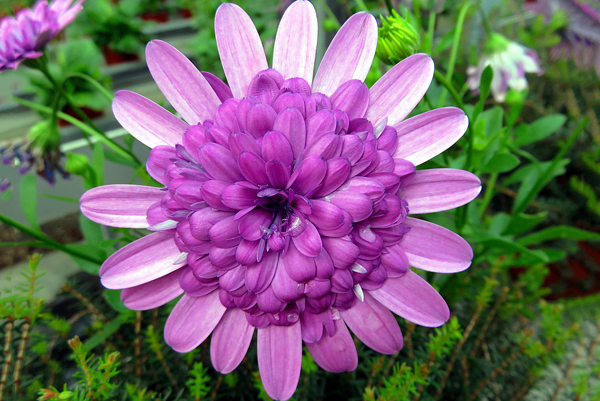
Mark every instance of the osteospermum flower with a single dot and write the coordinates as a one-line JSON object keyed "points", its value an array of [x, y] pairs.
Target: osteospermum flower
{"points": [[285, 199], [25, 35], [580, 38], [510, 61]]}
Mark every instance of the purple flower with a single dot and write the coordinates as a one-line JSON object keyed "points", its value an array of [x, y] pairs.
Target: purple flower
{"points": [[286, 198], [510, 61], [25, 35], [4, 184], [580, 38]]}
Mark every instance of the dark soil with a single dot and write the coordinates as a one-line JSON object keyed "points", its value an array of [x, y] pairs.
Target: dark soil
{"points": [[64, 230]]}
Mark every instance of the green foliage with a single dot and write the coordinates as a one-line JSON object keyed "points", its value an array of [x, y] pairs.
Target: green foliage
{"points": [[197, 383], [112, 25]]}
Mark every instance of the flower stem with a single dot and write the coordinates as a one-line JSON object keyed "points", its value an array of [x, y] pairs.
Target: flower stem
{"points": [[489, 193], [95, 83], [388, 4], [541, 182], [48, 242], [99, 136], [454, 52]]}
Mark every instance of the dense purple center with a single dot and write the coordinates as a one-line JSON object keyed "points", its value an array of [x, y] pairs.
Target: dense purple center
{"points": [[287, 202]]}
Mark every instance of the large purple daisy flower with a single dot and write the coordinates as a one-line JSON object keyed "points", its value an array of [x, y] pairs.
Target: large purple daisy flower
{"points": [[25, 35], [285, 199]]}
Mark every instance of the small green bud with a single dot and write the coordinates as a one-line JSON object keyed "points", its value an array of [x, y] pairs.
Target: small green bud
{"points": [[515, 97], [398, 39], [77, 164], [496, 43], [45, 136]]}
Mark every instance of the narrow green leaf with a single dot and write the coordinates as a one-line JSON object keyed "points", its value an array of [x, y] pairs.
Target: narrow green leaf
{"points": [[28, 195], [524, 222], [60, 198], [501, 162], [107, 330], [113, 298], [539, 129], [85, 265], [507, 245], [92, 232], [559, 232], [98, 164]]}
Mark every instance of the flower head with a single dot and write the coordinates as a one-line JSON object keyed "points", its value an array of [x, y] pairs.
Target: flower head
{"points": [[510, 61], [398, 39], [285, 199], [580, 38], [25, 35]]}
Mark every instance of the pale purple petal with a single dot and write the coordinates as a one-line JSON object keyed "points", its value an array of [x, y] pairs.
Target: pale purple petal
{"points": [[192, 320], [425, 136], [414, 299], [180, 81], [146, 121], [140, 262], [349, 55], [335, 353], [437, 190], [240, 48], [120, 205], [296, 41], [226, 354], [154, 293], [397, 93], [434, 248], [280, 359], [374, 325]]}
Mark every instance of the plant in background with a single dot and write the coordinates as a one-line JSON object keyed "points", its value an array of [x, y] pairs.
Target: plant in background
{"points": [[509, 61], [113, 26], [25, 35], [77, 67], [580, 33], [299, 229]]}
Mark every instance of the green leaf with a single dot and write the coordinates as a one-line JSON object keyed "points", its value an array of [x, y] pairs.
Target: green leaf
{"points": [[85, 265], [524, 222], [501, 162], [484, 90], [6, 195], [507, 245], [559, 232], [113, 298], [92, 232], [98, 164], [119, 159], [529, 182], [107, 330], [28, 195], [539, 129], [61, 198]]}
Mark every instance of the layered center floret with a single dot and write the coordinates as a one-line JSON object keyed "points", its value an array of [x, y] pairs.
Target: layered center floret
{"points": [[287, 202]]}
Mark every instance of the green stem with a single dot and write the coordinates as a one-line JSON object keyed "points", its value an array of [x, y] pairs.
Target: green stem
{"points": [[59, 89], [92, 81], [49, 242], [388, 4], [541, 182], [448, 86], [417, 12], [489, 193], [430, 31], [486, 23], [85, 128], [454, 52]]}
